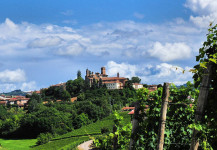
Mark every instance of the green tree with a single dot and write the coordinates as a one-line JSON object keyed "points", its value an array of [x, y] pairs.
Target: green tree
{"points": [[34, 102], [78, 74], [66, 96], [159, 85], [75, 87], [135, 80], [145, 85]]}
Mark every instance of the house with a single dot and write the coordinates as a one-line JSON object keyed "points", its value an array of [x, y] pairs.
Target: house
{"points": [[137, 86], [152, 88]]}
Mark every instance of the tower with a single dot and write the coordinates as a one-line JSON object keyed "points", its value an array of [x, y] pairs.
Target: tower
{"points": [[87, 73], [103, 70]]}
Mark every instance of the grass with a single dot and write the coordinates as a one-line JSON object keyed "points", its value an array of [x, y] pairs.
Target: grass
{"points": [[72, 139], [16, 144]]}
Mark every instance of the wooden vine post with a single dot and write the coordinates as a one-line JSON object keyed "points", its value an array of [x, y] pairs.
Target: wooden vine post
{"points": [[201, 103], [161, 129], [135, 124]]}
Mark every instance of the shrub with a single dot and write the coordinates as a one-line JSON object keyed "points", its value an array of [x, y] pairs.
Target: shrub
{"points": [[44, 138]]}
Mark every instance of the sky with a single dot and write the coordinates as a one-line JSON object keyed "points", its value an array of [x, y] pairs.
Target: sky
{"points": [[46, 42]]}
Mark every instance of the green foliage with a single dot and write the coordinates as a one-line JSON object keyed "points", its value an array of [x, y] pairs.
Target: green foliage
{"points": [[75, 87], [66, 96], [74, 138], [208, 55], [78, 74], [135, 80], [44, 138], [179, 117], [122, 135]]}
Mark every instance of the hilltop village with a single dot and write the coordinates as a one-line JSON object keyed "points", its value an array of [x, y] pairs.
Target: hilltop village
{"points": [[111, 83]]}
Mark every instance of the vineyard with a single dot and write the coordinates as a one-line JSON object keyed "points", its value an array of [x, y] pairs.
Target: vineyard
{"points": [[74, 138], [175, 118]]}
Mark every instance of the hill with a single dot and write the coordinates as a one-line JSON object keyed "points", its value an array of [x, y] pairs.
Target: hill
{"points": [[15, 93]]}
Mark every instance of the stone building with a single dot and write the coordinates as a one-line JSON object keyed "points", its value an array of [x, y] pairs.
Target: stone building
{"points": [[110, 82]]}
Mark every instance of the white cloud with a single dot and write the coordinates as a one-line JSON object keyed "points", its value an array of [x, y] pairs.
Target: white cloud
{"points": [[203, 7], [206, 10], [204, 21], [71, 50], [12, 76], [151, 74], [124, 69], [28, 86], [170, 51], [44, 42]]}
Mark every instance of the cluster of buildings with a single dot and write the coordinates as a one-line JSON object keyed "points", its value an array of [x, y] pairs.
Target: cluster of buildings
{"points": [[110, 82], [20, 101]]}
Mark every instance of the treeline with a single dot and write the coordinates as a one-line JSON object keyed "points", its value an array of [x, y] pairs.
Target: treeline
{"points": [[59, 117]]}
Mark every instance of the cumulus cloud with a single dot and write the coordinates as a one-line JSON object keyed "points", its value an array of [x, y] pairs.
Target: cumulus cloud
{"points": [[206, 10], [170, 51], [28, 86], [151, 74], [124, 69], [44, 42], [71, 50], [12, 76]]}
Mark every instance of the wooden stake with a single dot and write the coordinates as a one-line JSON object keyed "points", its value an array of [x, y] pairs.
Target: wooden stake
{"points": [[135, 124], [162, 121], [201, 103]]}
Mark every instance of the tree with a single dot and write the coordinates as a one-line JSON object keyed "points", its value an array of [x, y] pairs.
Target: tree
{"points": [[159, 85], [135, 80], [34, 102], [100, 83], [75, 87], [145, 85], [78, 74], [66, 96]]}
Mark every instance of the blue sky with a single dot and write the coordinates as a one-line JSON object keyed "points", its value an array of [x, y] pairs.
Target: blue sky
{"points": [[46, 42]]}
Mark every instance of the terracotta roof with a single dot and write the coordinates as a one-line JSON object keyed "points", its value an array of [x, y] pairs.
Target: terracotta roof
{"points": [[13, 99], [73, 99], [60, 84], [128, 108], [113, 78], [131, 112]]}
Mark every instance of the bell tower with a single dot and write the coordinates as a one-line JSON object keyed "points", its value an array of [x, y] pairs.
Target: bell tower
{"points": [[103, 71]]}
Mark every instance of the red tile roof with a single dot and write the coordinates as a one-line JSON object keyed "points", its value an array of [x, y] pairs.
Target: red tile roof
{"points": [[73, 99], [128, 108], [131, 112]]}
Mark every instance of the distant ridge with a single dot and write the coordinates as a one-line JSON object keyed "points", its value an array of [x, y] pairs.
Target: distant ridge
{"points": [[15, 93]]}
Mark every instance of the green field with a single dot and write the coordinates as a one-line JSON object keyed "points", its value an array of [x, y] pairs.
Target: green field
{"points": [[16, 144], [66, 141]]}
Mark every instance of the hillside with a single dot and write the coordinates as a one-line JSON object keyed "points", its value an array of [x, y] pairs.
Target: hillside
{"points": [[15, 93]]}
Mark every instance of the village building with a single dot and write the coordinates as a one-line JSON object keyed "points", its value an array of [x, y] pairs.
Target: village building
{"points": [[20, 101], [110, 82], [137, 86]]}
